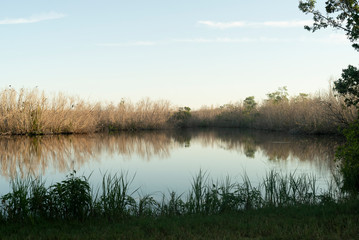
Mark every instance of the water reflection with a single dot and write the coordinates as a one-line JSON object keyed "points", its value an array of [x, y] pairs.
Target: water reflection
{"points": [[35, 155]]}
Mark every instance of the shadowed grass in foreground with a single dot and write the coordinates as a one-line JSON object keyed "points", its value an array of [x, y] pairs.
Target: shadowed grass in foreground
{"points": [[328, 221], [281, 207]]}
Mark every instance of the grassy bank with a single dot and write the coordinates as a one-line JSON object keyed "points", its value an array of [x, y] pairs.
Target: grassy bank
{"points": [[281, 207], [32, 112], [338, 221]]}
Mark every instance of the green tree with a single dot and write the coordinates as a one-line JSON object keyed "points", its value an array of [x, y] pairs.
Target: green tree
{"points": [[280, 95], [343, 15], [348, 155], [181, 117], [339, 14], [348, 86], [249, 103]]}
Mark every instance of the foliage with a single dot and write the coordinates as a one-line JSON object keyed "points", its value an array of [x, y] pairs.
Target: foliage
{"points": [[30, 199], [348, 156], [181, 117], [115, 199], [343, 15], [249, 103], [72, 198], [348, 86], [339, 14]]}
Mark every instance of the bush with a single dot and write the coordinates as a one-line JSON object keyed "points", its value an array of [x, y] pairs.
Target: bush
{"points": [[348, 156], [181, 118]]}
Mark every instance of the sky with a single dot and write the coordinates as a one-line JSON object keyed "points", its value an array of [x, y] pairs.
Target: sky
{"points": [[190, 52]]}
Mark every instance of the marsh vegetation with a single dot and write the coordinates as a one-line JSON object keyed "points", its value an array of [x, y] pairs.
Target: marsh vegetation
{"points": [[31, 112], [115, 201], [281, 206], [74, 198]]}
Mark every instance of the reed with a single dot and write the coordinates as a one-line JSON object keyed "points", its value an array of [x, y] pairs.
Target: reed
{"points": [[32, 112], [73, 197], [322, 113], [115, 199]]}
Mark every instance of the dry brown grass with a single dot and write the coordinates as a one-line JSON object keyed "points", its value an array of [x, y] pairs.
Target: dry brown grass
{"points": [[145, 114], [322, 113], [32, 112]]}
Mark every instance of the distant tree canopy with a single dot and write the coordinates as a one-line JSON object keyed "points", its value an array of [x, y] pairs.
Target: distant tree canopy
{"points": [[342, 15], [280, 95], [249, 103]]}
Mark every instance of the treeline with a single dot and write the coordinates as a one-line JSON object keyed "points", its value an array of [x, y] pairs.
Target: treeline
{"points": [[31, 112]]}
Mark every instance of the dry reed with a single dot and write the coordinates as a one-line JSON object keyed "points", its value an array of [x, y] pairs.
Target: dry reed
{"points": [[31, 112]]}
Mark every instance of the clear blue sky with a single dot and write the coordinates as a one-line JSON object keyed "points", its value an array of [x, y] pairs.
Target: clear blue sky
{"points": [[191, 53]]}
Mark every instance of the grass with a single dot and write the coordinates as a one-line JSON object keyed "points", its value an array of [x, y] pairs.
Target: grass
{"points": [[303, 222], [73, 198], [281, 207], [31, 112]]}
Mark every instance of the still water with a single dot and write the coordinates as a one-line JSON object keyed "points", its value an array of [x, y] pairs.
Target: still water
{"points": [[166, 160]]}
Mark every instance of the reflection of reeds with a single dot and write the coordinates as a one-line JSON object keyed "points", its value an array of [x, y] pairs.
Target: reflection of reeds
{"points": [[34, 155]]}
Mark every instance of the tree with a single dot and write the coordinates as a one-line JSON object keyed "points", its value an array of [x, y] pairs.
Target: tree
{"points": [[278, 96], [181, 118], [249, 103], [348, 86], [339, 14], [343, 15], [348, 156]]}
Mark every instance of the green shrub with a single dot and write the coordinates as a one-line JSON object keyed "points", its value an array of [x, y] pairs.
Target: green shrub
{"points": [[348, 157], [71, 198], [181, 118]]}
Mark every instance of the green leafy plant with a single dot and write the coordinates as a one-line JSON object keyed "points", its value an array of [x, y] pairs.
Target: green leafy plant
{"points": [[181, 117], [348, 156], [71, 198]]}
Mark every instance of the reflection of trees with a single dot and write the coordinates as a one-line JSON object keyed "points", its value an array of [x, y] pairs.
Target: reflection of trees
{"points": [[320, 150], [183, 137], [34, 155]]}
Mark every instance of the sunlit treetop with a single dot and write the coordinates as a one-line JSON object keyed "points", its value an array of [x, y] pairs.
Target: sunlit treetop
{"points": [[339, 14]]}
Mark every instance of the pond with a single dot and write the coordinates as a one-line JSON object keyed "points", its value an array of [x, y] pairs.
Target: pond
{"points": [[162, 161]]}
